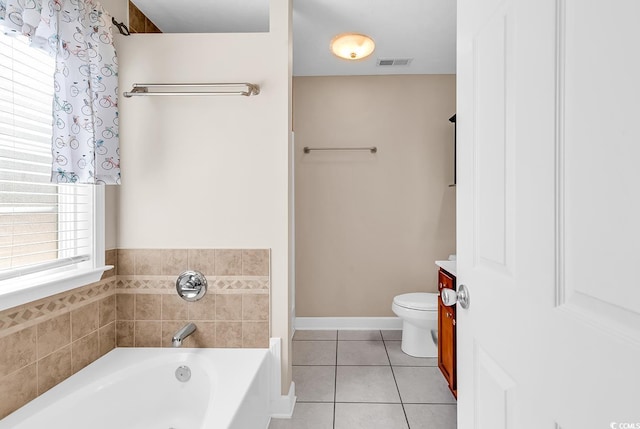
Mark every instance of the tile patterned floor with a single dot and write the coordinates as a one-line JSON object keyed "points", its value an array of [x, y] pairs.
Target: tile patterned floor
{"points": [[363, 380]]}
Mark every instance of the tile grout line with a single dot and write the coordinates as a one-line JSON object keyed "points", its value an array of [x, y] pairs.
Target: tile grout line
{"points": [[396, 382]]}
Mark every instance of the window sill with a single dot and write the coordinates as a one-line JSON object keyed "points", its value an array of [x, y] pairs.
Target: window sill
{"points": [[22, 291]]}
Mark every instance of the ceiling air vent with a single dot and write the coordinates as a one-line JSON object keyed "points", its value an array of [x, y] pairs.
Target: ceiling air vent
{"points": [[394, 62]]}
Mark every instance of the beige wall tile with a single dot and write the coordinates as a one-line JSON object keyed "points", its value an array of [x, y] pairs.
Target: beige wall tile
{"points": [[84, 320], [107, 338], [84, 351], [17, 389], [229, 307], [147, 334], [174, 262], [18, 350], [255, 334], [228, 334], [205, 308], [148, 307], [125, 334], [126, 262], [228, 262], [53, 369], [174, 307], [203, 260], [148, 262], [255, 307], [53, 334], [125, 306], [255, 262], [107, 307], [205, 335]]}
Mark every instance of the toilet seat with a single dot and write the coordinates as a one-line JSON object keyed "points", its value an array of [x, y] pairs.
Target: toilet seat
{"points": [[417, 301]]}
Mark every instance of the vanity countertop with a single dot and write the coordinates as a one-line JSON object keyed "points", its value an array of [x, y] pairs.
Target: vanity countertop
{"points": [[448, 266]]}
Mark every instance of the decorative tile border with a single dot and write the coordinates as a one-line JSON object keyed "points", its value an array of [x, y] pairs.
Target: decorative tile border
{"points": [[24, 316], [166, 284], [234, 313], [142, 283], [241, 283]]}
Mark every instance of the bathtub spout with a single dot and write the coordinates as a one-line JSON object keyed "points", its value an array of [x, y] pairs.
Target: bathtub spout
{"points": [[183, 333]]}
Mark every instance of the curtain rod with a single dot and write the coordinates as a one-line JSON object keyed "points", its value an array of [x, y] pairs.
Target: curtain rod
{"points": [[148, 89], [373, 149]]}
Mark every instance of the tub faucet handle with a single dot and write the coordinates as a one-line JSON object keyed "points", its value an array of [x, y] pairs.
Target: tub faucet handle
{"points": [[191, 285]]}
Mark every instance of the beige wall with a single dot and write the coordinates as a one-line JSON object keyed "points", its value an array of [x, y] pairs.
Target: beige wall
{"points": [[119, 10], [210, 172], [111, 216], [370, 226]]}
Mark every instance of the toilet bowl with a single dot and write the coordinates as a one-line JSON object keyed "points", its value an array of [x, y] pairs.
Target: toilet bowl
{"points": [[419, 314]]}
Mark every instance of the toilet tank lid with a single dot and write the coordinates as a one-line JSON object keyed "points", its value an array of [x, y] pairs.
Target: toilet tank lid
{"points": [[417, 301]]}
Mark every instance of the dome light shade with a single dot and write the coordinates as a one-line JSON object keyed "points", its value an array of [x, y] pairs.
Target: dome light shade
{"points": [[352, 46]]}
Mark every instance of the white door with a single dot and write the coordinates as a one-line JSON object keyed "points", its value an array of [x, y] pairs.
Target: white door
{"points": [[548, 117]]}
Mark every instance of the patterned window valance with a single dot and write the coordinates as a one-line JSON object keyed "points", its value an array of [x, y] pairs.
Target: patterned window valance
{"points": [[85, 144]]}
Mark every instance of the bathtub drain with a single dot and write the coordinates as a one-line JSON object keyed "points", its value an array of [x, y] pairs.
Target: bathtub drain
{"points": [[183, 374]]}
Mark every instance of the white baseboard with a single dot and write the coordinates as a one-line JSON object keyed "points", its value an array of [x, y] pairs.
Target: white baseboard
{"points": [[355, 323], [281, 406]]}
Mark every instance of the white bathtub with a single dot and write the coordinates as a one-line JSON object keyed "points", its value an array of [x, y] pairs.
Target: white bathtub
{"points": [[136, 388]]}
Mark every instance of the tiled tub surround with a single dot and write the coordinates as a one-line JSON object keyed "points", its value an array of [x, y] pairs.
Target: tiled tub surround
{"points": [[233, 313], [44, 342]]}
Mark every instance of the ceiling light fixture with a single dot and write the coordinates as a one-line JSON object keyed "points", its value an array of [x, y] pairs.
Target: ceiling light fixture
{"points": [[352, 46]]}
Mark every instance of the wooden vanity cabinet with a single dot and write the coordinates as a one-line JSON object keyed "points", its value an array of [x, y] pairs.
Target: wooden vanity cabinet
{"points": [[447, 332]]}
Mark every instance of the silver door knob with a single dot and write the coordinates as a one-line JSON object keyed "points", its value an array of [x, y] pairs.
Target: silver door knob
{"points": [[450, 297]]}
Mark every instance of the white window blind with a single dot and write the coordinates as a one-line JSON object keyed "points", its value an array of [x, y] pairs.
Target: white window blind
{"points": [[42, 225]]}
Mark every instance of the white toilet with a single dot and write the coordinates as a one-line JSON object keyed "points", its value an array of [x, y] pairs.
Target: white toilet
{"points": [[419, 314]]}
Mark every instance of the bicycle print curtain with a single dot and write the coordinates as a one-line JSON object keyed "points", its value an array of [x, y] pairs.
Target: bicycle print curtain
{"points": [[85, 144]]}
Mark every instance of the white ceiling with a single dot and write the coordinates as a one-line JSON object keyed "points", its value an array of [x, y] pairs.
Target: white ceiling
{"points": [[423, 30], [207, 16]]}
